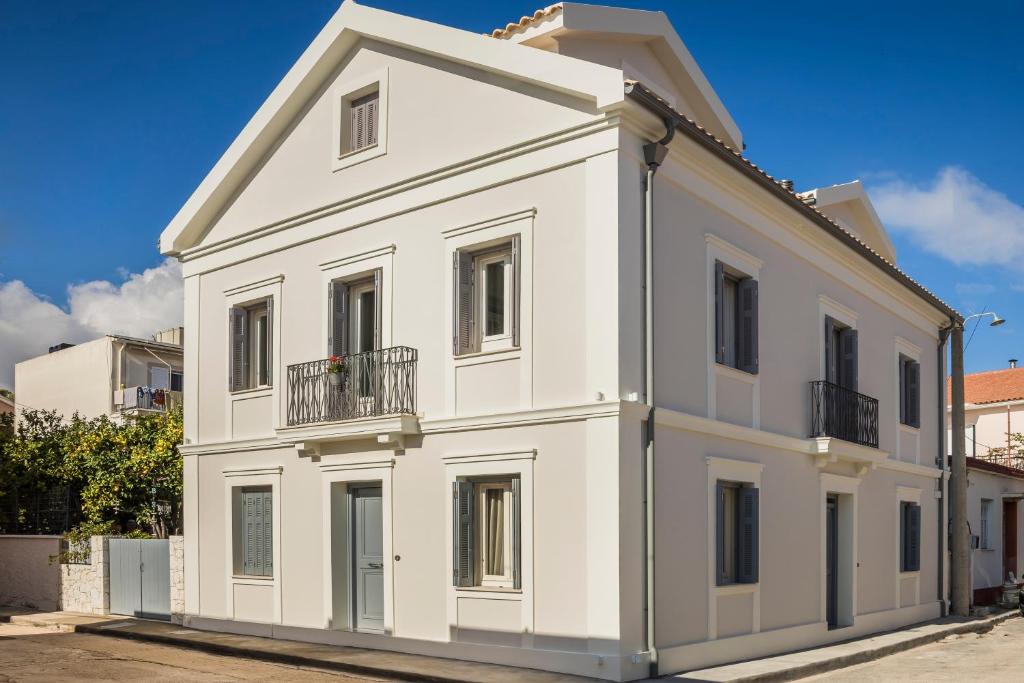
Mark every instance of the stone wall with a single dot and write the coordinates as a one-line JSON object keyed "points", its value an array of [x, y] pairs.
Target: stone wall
{"points": [[177, 544], [28, 575], [85, 588]]}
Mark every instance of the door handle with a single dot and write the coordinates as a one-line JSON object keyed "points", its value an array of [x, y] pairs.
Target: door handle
{"points": [[376, 565]]}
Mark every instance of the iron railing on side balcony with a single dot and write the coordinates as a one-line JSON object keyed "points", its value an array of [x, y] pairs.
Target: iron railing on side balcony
{"points": [[843, 414], [374, 384], [1000, 456]]}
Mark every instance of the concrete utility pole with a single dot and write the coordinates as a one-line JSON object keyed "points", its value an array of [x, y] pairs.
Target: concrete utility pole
{"points": [[960, 573]]}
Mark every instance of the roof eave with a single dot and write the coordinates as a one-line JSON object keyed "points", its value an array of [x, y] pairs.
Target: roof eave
{"points": [[646, 98]]}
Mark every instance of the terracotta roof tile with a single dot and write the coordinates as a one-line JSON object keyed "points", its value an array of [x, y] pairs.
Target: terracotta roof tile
{"points": [[992, 386], [525, 21]]}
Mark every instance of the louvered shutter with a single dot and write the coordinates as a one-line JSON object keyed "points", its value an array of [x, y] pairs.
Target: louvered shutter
{"points": [[747, 552], [258, 529], [720, 533], [337, 340], [914, 544], [462, 533], [239, 349], [378, 276], [268, 534], [831, 371], [358, 126], [372, 119], [249, 517], [517, 534], [269, 351], [904, 536], [719, 312], [517, 288], [913, 393], [747, 293], [903, 391], [463, 335], [848, 359]]}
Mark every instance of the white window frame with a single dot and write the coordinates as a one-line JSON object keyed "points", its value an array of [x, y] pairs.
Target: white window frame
{"points": [[357, 314], [259, 367], [252, 477], [985, 525], [737, 261], [503, 255], [741, 472], [343, 95], [496, 465], [493, 231], [243, 295], [503, 580]]}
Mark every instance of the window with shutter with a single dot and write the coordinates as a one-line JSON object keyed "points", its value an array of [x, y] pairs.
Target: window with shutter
{"points": [[736, 533], [848, 369], [910, 393], [910, 537], [487, 533], [255, 549], [252, 337], [463, 535], [363, 123], [239, 349], [736, 319], [487, 297]]}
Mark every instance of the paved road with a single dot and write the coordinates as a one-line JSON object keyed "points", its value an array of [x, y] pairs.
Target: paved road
{"points": [[994, 656], [40, 655]]}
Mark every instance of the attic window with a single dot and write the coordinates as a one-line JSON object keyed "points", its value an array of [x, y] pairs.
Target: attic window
{"points": [[360, 121], [363, 122]]}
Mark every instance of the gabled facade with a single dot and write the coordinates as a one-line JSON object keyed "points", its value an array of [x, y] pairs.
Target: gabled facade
{"points": [[113, 375], [424, 376]]}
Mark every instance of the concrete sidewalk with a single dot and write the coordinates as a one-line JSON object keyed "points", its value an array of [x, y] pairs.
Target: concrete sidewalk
{"points": [[820, 660], [393, 665]]}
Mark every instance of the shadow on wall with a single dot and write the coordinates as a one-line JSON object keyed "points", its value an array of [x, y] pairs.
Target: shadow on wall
{"points": [[28, 577]]}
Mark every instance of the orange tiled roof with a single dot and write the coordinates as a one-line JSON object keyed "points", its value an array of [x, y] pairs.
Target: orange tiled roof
{"points": [[526, 21], [992, 386]]}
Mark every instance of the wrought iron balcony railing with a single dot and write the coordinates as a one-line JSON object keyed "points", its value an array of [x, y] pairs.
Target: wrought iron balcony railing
{"points": [[374, 384], [1000, 456], [843, 414]]}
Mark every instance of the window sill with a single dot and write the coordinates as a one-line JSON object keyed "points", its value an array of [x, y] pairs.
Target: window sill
{"points": [[491, 592], [512, 351], [252, 580], [986, 550], [736, 588], [251, 393], [734, 373], [359, 156], [915, 574], [909, 429]]}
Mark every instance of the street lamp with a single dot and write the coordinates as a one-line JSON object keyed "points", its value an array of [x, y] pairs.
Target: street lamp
{"points": [[996, 320]]}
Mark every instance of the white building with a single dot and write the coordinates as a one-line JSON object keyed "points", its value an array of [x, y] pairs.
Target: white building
{"points": [[993, 413], [461, 219], [112, 375]]}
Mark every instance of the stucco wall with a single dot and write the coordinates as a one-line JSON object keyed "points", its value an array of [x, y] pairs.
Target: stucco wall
{"points": [[987, 563], [70, 380], [28, 577]]}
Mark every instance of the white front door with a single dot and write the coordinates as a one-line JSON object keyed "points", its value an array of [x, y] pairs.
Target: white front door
{"points": [[368, 558]]}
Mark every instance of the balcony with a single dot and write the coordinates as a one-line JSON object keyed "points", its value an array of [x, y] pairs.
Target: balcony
{"points": [[844, 414], [375, 384], [145, 400]]}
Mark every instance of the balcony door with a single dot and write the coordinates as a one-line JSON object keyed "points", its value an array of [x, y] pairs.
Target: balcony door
{"points": [[840, 354]]}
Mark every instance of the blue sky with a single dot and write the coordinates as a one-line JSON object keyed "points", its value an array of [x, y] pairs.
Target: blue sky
{"points": [[112, 112]]}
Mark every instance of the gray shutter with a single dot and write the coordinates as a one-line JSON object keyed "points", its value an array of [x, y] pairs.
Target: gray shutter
{"points": [[904, 536], [463, 303], [258, 528], [357, 132], [719, 312], [914, 543], [904, 402], [913, 393], [848, 359], [746, 292], [270, 342], [517, 288], [268, 534], [720, 533], [239, 349], [377, 306], [831, 371], [517, 534], [249, 549], [337, 340], [462, 533], [747, 552]]}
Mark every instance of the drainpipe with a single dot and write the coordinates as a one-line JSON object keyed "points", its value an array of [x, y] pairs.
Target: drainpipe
{"points": [[654, 154], [959, 575], [940, 462]]}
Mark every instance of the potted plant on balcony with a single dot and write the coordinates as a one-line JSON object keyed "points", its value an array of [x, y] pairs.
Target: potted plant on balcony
{"points": [[336, 371]]}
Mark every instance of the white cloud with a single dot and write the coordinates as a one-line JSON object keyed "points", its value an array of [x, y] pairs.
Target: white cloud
{"points": [[143, 304], [955, 216]]}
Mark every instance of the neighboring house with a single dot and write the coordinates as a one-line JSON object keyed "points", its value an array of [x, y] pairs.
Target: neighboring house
{"points": [[112, 375], [6, 405], [459, 218], [993, 411]]}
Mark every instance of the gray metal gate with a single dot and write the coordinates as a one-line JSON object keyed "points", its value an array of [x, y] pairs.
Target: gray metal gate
{"points": [[140, 578]]}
